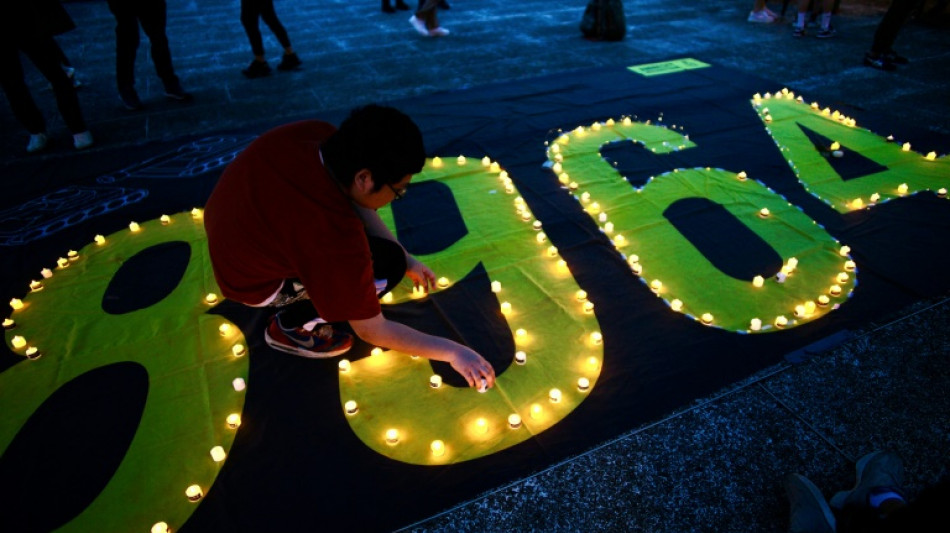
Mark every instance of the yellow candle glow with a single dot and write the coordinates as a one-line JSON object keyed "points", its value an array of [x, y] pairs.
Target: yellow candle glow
{"points": [[707, 318], [165, 219], [438, 448], [875, 197], [552, 251], [514, 421], [842, 277], [218, 454], [834, 290], [588, 307], [387, 298], [596, 337], [764, 212], [849, 265], [742, 176], [823, 300], [32, 352], [224, 329], [521, 334], [8, 323], [609, 228], [238, 350], [494, 167], [62, 262], [159, 527], [857, 203], [844, 251], [799, 311], [656, 285], [554, 395], [196, 213], [942, 192], [755, 324], [521, 358], [931, 156], [350, 407], [905, 147], [211, 298], [18, 342], [99, 239], [436, 162], [194, 493], [620, 240], [541, 237], [134, 226], [16, 304], [505, 308], [481, 426], [443, 283], [46, 273], [239, 384], [781, 321], [581, 295], [593, 363], [392, 436], [233, 420], [344, 365], [902, 188], [72, 255], [536, 411], [377, 351], [676, 305], [809, 308], [435, 381], [758, 281], [486, 161], [496, 286], [583, 384]]}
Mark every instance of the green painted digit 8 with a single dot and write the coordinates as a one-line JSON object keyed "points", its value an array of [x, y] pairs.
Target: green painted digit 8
{"points": [[445, 425], [818, 276], [189, 361]]}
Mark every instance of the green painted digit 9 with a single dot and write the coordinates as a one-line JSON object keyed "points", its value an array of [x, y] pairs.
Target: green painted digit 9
{"points": [[189, 360]]}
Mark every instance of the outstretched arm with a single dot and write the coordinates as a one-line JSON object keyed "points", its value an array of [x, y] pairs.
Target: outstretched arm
{"points": [[383, 332]]}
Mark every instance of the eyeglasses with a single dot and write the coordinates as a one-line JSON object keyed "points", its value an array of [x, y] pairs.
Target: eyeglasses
{"points": [[398, 193]]}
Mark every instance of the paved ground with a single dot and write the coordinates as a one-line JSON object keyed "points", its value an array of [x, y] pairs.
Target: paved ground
{"points": [[715, 466]]}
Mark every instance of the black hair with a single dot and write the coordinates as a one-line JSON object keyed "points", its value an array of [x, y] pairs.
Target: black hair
{"points": [[379, 138]]}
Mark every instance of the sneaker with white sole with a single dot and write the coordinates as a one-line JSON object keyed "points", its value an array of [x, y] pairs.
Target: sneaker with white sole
{"points": [[762, 16], [419, 25], [438, 32], [82, 140], [321, 343], [808, 510], [877, 472]]}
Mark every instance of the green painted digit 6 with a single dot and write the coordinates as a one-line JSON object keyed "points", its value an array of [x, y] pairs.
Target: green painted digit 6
{"points": [[815, 275], [190, 363], [539, 298]]}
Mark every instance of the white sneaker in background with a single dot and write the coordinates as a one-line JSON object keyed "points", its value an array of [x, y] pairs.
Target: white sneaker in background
{"points": [[762, 16], [37, 142], [419, 25], [82, 140]]}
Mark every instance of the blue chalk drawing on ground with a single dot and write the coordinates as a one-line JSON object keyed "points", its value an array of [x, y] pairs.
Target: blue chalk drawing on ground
{"points": [[188, 161]]}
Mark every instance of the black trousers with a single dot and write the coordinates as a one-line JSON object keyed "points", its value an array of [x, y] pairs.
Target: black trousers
{"points": [[251, 11], [44, 53], [151, 15], [389, 263], [897, 14]]}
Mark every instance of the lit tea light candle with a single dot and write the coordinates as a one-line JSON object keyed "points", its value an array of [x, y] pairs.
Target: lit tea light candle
{"points": [[942, 192], [32, 352], [602, 217], [526, 216], [194, 493], [593, 363], [609, 228], [562, 265], [443, 283], [134, 226], [196, 213], [99, 239], [536, 411], [435, 381], [62, 262], [583, 384], [792, 263], [764, 212], [417, 292], [676, 305], [742, 176], [823, 300], [931, 156], [521, 334], [656, 285], [159, 527], [438, 448], [392, 436], [18, 342], [620, 240], [758, 281], [521, 358], [486, 161], [799, 311], [496, 286], [809, 308], [844, 251], [72, 255], [165, 219], [8, 323], [905, 147], [835, 146], [588, 307], [875, 197], [707, 318], [781, 321], [857, 203], [541, 237], [563, 178], [555, 148], [581, 295], [514, 421], [436, 162], [834, 290], [36, 286], [238, 350], [554, 395], [16, 304], [387, 298], [233, 420], [377, 351], [849, 266], [536, 225], [505, 308], [211, 298], [344, 365], [481, 426], [239, 384], [494, 167], [224, 329], [637, 268], [573, 185], [842, 277], [350, 407], [902, 188], [218, 454], [596, 337], [755, 324], [46, 273]]}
